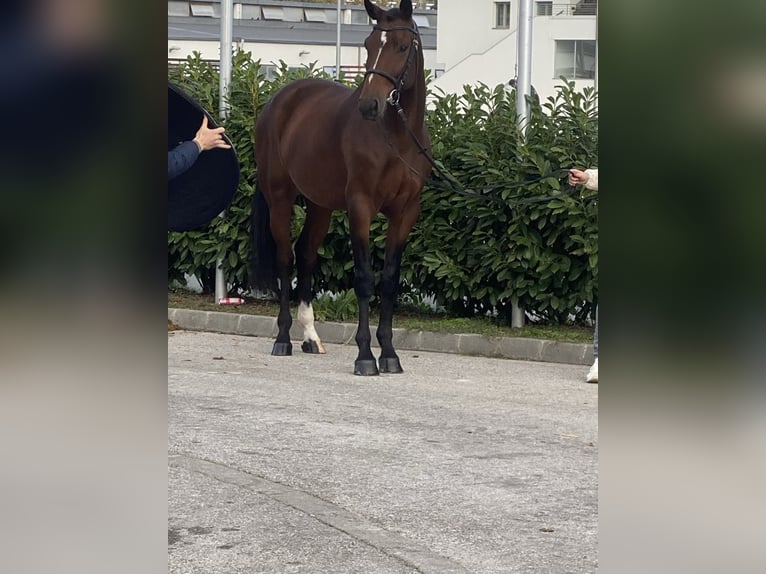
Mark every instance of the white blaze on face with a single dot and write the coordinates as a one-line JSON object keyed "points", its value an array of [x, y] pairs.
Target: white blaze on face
{"points": [[380, 51], [306, 318]]}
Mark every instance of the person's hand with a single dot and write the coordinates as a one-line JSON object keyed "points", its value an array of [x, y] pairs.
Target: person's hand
{"points": [[207, 138], [578, 177]]}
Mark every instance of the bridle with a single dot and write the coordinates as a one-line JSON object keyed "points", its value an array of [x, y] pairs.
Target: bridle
{"points": [[398, 83]]}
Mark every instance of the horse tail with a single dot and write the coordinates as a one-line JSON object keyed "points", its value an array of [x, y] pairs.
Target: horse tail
{"points": [[263, 249]]}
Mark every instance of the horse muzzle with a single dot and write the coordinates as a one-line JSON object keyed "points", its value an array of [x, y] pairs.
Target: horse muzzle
{"points": [[371, 108]]}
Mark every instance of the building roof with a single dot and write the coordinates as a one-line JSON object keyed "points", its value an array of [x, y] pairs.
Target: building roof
{"points": [[278, 32]]}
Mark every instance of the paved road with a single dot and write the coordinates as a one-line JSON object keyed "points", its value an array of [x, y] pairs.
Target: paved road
{"points": [[294, 465]]}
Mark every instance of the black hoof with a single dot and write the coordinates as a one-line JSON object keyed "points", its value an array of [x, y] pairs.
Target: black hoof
{"points": [[313, 347], [366, 367], [282, 349], [390, 365]]}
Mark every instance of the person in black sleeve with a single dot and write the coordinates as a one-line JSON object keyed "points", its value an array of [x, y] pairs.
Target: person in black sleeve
{"points": [[183, 156]]}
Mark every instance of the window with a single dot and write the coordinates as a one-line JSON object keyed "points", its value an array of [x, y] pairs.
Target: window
{"points": [[268, 72], [421, 21], [204, 10], [272, 13], [586, 8], [178, 8], [359, 17], [314, 15], [271, 72], [250, 12], [544, 8], [502, 14], [292, 14], [575, 59]]}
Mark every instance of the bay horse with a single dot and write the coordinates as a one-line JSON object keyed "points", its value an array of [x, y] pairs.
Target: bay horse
{"points": [[356, 150]]}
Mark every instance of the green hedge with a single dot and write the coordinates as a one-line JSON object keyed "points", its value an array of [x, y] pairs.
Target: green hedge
{"points": [[471, 255]]}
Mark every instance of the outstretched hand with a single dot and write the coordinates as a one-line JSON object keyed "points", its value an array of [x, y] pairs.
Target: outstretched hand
{"points": [[578, 177], [207, 138]]}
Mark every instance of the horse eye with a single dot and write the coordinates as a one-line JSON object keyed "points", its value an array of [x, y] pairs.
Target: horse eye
{"points": [[403, 47]]}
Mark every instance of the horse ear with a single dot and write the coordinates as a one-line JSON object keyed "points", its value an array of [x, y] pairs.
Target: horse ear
{"points": [[405, 7], [373, 11]]}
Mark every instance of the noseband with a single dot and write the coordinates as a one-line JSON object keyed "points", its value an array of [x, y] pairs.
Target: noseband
{"points": [[393, 97]]}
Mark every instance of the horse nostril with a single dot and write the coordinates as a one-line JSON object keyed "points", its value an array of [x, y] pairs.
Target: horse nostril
{"points": [[369, 108]]}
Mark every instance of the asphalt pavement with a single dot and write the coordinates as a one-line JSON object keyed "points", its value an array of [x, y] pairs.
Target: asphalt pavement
{"points": [[462, 463]]}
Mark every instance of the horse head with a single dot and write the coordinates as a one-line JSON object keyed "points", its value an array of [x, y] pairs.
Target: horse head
{"points": [[393, 49]]}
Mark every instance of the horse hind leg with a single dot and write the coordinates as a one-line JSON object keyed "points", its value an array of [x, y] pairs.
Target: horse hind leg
{"points": [[311, 342], [281, 214], [313, 233]]}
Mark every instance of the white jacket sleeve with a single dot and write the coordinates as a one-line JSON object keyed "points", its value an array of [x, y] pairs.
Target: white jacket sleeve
{"points": [[592, 182]]}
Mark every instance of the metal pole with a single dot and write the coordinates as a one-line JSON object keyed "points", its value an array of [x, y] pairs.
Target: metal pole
{"points": [[523, 92], [223, 111], [225, 58], [337, 46], [524, 59], [595, 72]]}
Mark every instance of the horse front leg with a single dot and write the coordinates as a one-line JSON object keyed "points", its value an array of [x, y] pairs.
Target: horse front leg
{"points": [[360, 217], [389, 288], [399, 227]]}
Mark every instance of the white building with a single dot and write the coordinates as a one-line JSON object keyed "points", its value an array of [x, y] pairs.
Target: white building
{"points": [[297, 33], [477, 42]]}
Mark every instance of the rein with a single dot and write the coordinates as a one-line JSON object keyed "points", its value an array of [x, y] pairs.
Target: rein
{"points": [[457, 188]]}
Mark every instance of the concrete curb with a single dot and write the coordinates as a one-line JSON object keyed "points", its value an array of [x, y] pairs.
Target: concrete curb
{"points": [[518, 348]]}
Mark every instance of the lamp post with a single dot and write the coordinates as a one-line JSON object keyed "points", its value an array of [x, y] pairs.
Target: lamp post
{"points": [[223, 112], [524, 51], [337, 47], [523, 92]]}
